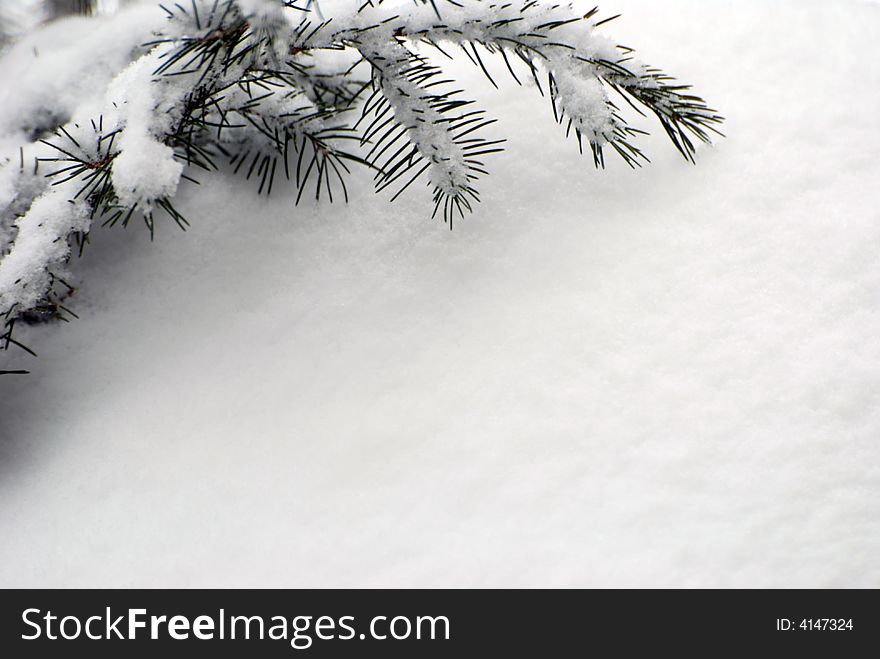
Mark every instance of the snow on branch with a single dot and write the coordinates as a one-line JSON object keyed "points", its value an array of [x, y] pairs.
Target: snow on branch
{"points": [[411, 123], [294, 88]]}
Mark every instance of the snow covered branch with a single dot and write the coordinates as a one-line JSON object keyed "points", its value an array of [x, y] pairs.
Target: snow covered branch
{"points": [[272, 87]]}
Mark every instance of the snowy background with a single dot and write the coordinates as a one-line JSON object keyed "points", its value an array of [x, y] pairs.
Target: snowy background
{"points": [[662, 377]]}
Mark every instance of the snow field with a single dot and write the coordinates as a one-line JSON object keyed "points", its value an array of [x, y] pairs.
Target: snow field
{"points": [[661, 377]]}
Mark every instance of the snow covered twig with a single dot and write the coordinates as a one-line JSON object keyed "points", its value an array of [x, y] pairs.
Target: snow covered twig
{"points": [[290, 88]]}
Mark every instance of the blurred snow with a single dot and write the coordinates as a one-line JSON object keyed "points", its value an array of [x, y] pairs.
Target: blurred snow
{"points": [[46, 69], [661, 377], [21, 16]]}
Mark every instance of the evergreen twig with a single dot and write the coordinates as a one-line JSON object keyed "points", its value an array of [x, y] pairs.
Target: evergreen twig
{"points": [[254, 93]]}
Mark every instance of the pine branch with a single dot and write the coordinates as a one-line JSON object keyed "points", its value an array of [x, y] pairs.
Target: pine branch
{"points": [[415, 125], [271, 89]]}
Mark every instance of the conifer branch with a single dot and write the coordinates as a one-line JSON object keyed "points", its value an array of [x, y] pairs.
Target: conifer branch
{"points": [[273, 90]]}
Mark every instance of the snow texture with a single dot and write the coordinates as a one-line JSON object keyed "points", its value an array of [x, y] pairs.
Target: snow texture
{"points": [[145, 168], [660, 377]]}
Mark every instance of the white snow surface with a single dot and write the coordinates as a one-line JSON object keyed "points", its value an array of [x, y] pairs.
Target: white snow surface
{"points": [[667, 377]]}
